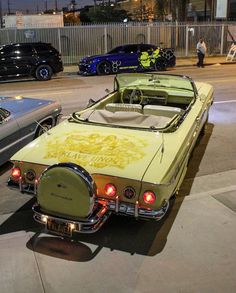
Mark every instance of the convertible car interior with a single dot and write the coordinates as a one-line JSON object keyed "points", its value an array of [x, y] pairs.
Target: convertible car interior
{"points": [[142, 107]]}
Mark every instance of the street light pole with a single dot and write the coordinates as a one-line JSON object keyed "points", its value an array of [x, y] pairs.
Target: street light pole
{"points": [[205, 7], [46, 5], [141, 6], [0, 13], [8, 7], [56, 8]]}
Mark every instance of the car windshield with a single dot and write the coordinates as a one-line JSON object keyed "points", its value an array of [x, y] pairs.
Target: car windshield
{"points": [[155, 80]]}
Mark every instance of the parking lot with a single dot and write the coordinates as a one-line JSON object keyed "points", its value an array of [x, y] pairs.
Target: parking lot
{"points": [[192, 250]]}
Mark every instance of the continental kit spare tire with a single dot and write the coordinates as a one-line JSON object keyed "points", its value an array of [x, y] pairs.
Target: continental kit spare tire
{"points": [[66, 190]]}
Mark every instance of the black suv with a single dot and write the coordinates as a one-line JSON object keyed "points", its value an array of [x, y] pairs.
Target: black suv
{"points": [[39, 60]]}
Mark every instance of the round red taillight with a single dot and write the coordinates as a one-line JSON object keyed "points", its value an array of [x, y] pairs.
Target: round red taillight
{"points": [[149, 197], [110, 189], [15, 173]]}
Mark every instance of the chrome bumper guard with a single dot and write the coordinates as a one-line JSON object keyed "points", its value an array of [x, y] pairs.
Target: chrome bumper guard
{"points": [[22, 186], [90, 224], [136, 211]]}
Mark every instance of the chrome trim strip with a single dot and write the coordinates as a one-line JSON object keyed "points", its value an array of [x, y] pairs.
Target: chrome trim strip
{"points": [[117, 204], [20, 184], [35, 186], [16, 142], [136, 209]]}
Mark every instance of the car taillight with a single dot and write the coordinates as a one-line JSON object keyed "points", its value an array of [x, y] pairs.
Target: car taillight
{"points": [[149, 197], [15, 173], [110, 189]]}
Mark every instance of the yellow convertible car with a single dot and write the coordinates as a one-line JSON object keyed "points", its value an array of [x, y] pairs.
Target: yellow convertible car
{"points": [[126, 153]]}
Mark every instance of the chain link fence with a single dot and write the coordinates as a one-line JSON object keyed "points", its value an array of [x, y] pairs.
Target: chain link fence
{"points": [[75, 42]]}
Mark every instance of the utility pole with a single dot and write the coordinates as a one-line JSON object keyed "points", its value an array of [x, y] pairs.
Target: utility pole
{"points": [[37, 8], [205, 12], [72, 5], [0, 13], [56, 8], [141, 6], [46, 5], [212, 10], [8, 7]]}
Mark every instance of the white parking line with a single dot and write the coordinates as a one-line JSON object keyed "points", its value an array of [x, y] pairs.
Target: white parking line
{"points": [[51, 93], [39, 93], [222, 102]]}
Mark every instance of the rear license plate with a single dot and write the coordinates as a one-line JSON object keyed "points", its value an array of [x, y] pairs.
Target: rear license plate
{"points": [[59, 228]]}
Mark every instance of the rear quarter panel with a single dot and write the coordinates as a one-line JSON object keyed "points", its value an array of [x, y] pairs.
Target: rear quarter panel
{"points": [[167, 170]]}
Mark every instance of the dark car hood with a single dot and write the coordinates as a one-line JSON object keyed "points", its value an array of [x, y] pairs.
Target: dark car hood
{"points": [[20, 105]]}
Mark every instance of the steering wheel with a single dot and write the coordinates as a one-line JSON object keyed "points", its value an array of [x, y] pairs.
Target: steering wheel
{"points": [[135, 97]]}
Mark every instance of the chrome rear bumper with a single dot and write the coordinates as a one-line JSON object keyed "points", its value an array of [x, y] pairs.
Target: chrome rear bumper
{"points": [[90, 224], [104, 208]]}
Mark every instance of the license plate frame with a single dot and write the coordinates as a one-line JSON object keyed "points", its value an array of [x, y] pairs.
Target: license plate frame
{"points": [[59, 228]]}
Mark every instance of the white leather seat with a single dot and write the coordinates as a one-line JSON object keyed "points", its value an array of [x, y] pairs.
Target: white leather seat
{"points": [[159, 110], [115, 107]]}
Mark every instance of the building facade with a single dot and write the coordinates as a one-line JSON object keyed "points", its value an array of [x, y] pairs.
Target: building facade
{"points": [[139, 10], [180, 10]]}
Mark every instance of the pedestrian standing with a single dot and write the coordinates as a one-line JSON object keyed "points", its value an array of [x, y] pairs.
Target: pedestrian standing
{"points": [[201, 51]]}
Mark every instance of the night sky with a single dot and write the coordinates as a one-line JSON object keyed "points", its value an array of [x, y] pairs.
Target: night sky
{"points": [[31, 5]]}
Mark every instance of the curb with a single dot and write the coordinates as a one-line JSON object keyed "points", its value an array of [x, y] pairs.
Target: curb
{"points": [[207, 64], [178, 65]]}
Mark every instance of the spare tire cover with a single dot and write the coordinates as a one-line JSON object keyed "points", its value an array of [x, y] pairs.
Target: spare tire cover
{"points": [[67, 190]]}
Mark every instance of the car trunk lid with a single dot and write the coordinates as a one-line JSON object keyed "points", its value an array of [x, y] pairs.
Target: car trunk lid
{"points": [[110, 151]]}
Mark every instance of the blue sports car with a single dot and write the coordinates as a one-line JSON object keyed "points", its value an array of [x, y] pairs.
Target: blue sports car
{"points": [[128, 58]]}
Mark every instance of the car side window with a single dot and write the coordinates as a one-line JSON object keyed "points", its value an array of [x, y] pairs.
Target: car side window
{"points": [[3, 114], [22, 50], [146, 48], [44, 48], [130, 49], [116, 50]]}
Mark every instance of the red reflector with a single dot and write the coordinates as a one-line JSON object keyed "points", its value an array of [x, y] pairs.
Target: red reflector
{"points": [[110, 189], [15, 173], [149, 197]]}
